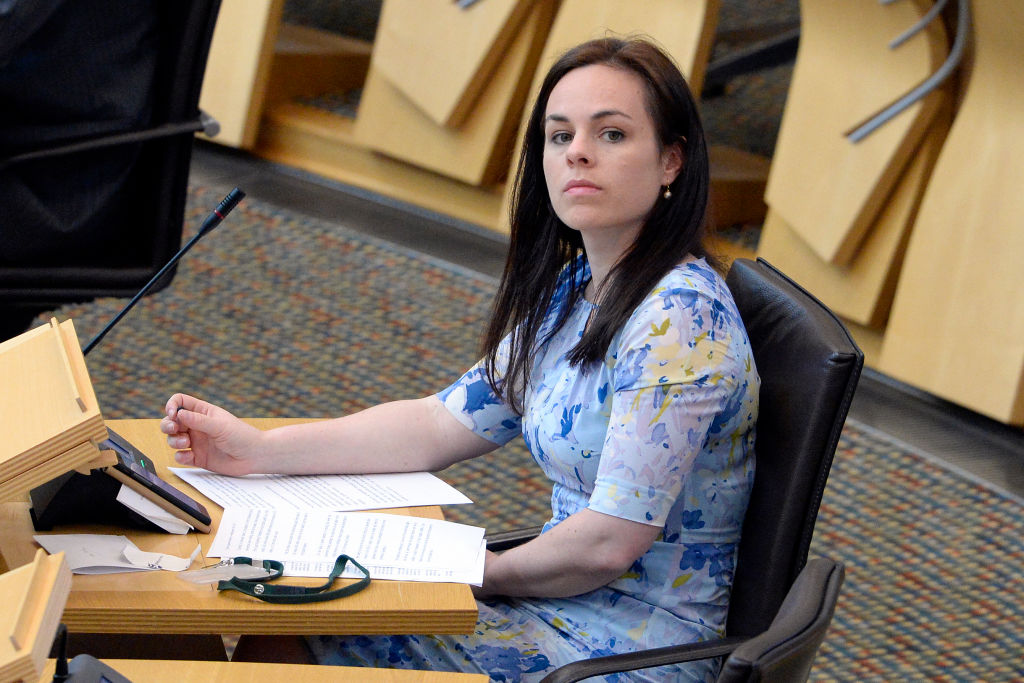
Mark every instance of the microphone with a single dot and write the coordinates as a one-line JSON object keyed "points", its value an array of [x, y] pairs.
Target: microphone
{"points": [[212, 221], [73, 497]]}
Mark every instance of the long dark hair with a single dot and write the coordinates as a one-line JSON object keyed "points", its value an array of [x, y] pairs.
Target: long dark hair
{"points": [[542, 246]]}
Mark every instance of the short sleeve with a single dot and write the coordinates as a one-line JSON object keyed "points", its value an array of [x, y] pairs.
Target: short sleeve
{"points": [[677, 370], [473, 402]]}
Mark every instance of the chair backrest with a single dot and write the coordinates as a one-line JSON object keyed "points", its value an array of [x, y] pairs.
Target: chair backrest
{"points": [[809, 367], [152, 180], [785, 652]]}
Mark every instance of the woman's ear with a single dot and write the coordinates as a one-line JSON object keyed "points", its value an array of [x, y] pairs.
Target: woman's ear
{"points": [[672, 162]]}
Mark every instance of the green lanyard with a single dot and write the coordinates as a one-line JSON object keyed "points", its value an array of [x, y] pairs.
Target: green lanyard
{"points": [[294, 595]]}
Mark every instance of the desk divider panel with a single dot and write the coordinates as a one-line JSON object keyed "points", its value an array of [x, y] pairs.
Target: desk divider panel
{"points": [[861, 291], [828, 189], [957, 323], [476, 152], [34, 595], [49, 414], [442, 56]]}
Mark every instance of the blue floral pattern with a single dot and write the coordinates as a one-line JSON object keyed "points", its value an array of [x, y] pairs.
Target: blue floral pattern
{"points": [[660, 433]]}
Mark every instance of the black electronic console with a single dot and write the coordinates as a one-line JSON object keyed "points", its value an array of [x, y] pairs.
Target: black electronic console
{"points": [[135, 470], [75, 498]]}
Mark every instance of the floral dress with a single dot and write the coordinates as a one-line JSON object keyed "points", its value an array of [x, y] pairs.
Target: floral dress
{"points": [[660, 433]]}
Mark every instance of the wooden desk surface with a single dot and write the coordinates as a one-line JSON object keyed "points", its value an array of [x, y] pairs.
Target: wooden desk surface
{"points": [[215, 672], [160, 602]]}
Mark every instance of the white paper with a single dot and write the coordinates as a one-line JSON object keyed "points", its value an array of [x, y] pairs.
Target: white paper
{"points": [[107, 554], [135, 501], [389, 546], [334, 492]]}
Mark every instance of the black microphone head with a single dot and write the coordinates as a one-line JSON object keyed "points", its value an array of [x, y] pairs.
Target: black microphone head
{"points": [[230, 202]]}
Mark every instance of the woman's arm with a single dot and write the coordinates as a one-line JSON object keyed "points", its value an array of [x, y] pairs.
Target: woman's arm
{"points": [[402, 436], [585, 551]]}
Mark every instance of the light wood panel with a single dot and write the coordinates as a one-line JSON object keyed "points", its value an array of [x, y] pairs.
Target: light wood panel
{"points": [[323, 143], [684, 28], [160, 602], [49, 416], [33, 596], [827, 188], [441, 56], [238, 66], [224, 672], [737, 186], [475, 153], [957, 324], [861, 291], [309, 62]]}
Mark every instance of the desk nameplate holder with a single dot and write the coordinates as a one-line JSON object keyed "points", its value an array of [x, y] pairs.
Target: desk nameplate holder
{"points": [[38, 591], [49, 416]]}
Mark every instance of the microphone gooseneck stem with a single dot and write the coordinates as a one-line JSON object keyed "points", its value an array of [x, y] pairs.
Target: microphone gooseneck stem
{"points": [[212, 221]]}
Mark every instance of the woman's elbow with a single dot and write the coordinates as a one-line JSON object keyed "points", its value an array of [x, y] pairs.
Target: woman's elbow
{"points": [[622, 546], [616, 559]]}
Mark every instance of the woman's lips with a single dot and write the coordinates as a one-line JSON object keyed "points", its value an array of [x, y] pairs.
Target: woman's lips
{"points": [[580, 187]]}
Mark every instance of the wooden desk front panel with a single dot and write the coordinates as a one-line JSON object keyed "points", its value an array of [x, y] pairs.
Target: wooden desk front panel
{"points": [[215, 672], [161, 602]]}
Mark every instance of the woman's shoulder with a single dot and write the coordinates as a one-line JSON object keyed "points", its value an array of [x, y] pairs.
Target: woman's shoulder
{"points": [[686, 329], [692, 288]]}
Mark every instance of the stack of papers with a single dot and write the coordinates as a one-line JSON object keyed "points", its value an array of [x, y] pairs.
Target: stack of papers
{"points": [[306, 521], [389, 546], [336, 492]]}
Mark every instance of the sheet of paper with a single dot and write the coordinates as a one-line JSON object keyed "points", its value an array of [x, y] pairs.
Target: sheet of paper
{"points": [[135, 501], [389, 546], [108, 554], [334, 492]]}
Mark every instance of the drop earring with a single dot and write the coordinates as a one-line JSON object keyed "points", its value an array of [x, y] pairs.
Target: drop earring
{"points": [[667, 194]]}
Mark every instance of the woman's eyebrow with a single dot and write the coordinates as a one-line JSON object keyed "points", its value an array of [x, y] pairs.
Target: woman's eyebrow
{"points": [[562, 118], [609, 112]]}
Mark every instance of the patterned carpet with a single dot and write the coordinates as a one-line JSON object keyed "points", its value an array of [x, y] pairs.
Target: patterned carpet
{"points": [[277, 314]]}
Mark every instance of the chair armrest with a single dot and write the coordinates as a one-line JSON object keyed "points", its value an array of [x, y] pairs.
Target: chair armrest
{"points": [[628, 661], [203, 122], [503, 540]]}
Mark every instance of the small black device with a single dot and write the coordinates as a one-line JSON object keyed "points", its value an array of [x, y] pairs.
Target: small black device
{"points": [[83, 668], [75, 498], [135, 470]]}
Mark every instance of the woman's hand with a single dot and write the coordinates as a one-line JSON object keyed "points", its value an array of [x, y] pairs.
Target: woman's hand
{"points": [[210, 437]]}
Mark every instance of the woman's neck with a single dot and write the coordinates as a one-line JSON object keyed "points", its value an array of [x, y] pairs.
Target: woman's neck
{"points": [[603, 252]]}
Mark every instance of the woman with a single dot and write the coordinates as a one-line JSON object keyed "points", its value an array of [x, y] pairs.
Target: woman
{"points": [[617, 352]]}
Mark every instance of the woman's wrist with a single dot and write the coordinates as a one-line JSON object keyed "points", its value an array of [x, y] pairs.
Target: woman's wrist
{"points": [[261, 453]]}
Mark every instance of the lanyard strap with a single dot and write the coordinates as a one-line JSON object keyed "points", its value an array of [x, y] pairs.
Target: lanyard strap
{"points": [[293, 595]]}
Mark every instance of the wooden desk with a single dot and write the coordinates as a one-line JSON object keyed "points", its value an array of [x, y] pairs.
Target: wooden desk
{"points": [[216, 672], [161, 603]]}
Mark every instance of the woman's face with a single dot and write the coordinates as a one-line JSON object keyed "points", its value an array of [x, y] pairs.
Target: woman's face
{"points": [[602, 162]]}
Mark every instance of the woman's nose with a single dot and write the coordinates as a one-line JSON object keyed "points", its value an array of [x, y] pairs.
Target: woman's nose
{"points": [[579, 152]]}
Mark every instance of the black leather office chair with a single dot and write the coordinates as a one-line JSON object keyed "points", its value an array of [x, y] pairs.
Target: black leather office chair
{"points": [[786, 651], [809, 367], [49, 268]]}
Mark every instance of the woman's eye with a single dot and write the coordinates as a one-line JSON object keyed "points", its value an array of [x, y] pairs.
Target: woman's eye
{"points": [[613, 135], [561, 138]]}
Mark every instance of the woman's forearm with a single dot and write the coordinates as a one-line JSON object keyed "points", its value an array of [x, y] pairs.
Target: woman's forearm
{"points": [[584, 552], [401, 436]]}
